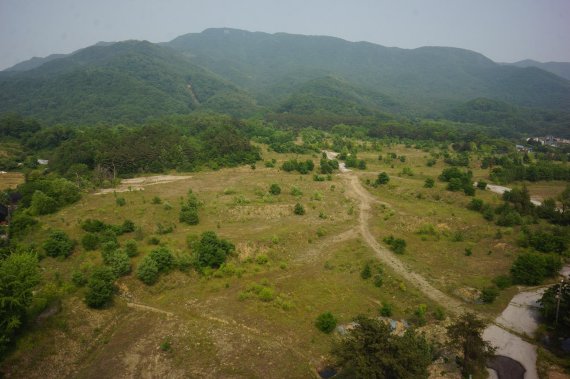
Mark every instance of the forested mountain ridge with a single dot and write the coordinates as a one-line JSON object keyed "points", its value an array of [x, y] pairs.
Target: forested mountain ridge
{"points": [[245, 73], [561, 69], [420, 78], [124, 81]]}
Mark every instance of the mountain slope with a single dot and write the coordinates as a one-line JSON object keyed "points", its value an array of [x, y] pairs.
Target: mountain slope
{"points": [[561, 69], [124, 81], [422, 79]]}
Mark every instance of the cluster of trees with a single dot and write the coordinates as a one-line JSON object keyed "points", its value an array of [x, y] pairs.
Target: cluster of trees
{"points": [[543, 170], [372, 350], [458, 180], [328, 166], [189, 210], [301, 167]]}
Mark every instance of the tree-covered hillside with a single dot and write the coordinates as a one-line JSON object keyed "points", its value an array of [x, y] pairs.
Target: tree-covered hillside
{"points": [[126, 81]]}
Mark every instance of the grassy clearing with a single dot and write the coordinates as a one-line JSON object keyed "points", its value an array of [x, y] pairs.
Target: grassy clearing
{"points": [[255, 318], [11, 180]]}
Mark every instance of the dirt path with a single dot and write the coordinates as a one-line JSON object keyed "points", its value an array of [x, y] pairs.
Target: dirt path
{"points": [[138, 184], [507, 343], [366, 200]]}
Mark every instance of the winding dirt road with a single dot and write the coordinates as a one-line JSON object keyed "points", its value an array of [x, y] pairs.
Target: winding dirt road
{"points": [[366, 200], [507, 343]]}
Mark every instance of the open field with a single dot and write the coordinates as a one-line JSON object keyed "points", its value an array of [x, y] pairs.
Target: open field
{"points": [[213, 325], [10, 180]]}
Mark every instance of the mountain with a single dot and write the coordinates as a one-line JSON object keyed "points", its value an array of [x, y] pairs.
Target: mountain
{"points": [[561, 69], [34, 62], [121, 82], [422, 80], [244, 73]]}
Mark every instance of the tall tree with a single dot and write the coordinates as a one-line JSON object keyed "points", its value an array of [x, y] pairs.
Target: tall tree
{"points": [[371, 351], [466, 334]]}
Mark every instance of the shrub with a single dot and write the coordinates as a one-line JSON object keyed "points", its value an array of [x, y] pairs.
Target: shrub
{"points": [[100, 288], [58, 244], [266, 294], [489, 294], [212, 251], [78, 279], [274, 189], [90, 241], [184, 262], [131, 248], [120, 201], [429, 183], [475, 205], [119, 263], [326, 322], [147, 271], [386, 310], [532, 268], [189, 215], [20, 224], [378, 281], [296, 191], [366, 272], [383, 178], [397, 245], [127, 227], [156, 200], [42, 204], [481, 185], [93, 226], [163, 258], [299, 209], [503, 281]]}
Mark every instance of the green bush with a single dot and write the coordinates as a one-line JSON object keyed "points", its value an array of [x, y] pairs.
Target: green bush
{"points": [[20, 224], [163, 258], [131, 248], [120, 201], [533, 268], [366, 272], [397, 245], [299, 209], [489, 294], [326, 322], [90, 241], [212, 251], [386, 310], [119, 263], [78, 279], [429, 183], [383, 178], [147, 271], [378, 281], [58, 244], [503, 281], [42, 204], [274, 189], [189, 215], [100, 287]]}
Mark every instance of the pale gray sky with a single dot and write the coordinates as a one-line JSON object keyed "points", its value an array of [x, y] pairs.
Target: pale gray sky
{"points": [[503, 30]]}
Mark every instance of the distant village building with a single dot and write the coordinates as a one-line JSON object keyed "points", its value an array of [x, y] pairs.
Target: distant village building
{"points": [[549, 141]]}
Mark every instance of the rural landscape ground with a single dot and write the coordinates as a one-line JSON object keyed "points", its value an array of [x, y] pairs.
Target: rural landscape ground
{"points": [[213, 325]]}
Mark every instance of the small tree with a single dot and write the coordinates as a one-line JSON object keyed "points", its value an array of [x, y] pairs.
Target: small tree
{"points": [[299, 209], [131, 248], [100, 288], [326, 322], [383, 178], [90, 241], [366, 271], [274, 189], [429, 183], [372, 351], [466, 335], [213, 251], [119, 263], [163, 258], [147, 271], [58, 244], [42, 204], [18, 276]]}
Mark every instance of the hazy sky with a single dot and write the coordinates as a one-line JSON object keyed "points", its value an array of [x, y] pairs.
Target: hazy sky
{"points": [[503, 30]]}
